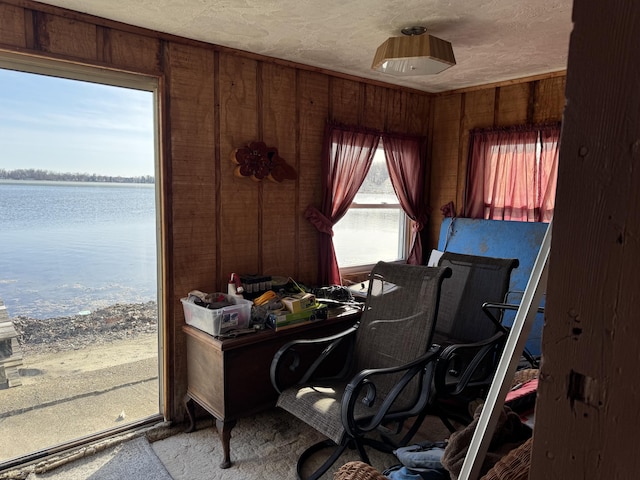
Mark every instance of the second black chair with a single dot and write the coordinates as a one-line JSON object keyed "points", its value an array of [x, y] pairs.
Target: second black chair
{"points": [[471, 340]]}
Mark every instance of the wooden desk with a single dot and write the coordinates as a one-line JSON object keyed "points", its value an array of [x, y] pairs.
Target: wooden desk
{"points": [[230, 379]]}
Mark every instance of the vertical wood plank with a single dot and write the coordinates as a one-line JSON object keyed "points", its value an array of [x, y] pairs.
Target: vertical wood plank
{"points": [[103, 47], [191, 259], [345, 101], [374, 112], [239, 197], [444, 159], [513, 103], [12, 25], [191, 117], [313, 105], [67, 37], [280, 208], [417, 119], [133, 51], [394, 119], [550, 99]]}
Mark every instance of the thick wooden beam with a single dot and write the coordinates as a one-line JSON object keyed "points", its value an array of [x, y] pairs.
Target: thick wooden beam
{"points": [[586, 414]]}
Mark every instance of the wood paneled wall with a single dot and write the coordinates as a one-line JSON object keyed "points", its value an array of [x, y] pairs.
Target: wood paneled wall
{"points": [[454, 114], [213, 100]]}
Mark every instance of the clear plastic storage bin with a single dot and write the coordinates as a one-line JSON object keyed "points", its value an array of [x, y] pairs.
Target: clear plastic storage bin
{"points": [[221, 320]]}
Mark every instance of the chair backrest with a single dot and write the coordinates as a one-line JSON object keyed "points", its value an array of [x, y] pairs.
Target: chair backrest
{"points": [[399, 316], [474, 280]]}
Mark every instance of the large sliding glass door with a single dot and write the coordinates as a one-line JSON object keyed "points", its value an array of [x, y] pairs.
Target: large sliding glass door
{"points": [[78, 255]]}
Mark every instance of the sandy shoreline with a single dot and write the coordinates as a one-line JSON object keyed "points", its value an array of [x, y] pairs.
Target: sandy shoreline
{"points": [[65, 395], [103, 326], [79, 375]]}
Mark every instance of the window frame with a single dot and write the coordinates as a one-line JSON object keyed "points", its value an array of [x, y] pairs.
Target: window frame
{"points": [[122, 79], [488, 169], [403, 246]]}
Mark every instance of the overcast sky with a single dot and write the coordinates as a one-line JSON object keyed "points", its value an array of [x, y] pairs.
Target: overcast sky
{"points": [[70, 126]]}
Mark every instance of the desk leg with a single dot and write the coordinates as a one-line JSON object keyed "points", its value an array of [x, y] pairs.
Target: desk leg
{"points": [[224, 430]]}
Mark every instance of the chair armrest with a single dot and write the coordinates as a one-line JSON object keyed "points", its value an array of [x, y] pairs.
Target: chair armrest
{"points": [[497, 322], [481, 349], [365, 380], [486, 306], [288, 352]]}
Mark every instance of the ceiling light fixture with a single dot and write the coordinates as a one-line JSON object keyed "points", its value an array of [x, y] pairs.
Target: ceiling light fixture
{"points": [[413, 54]]}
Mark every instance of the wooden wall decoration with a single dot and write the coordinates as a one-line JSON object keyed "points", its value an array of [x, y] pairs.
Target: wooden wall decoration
{"points": [[258, 161]]}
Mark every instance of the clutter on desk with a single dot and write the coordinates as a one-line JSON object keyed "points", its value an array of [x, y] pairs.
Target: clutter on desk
{"points": [[252, 303], [336, 293], [298, 303], [359, 290], [293, 304], [249, 286], [284, 319], [216, 313], [278, 311]]}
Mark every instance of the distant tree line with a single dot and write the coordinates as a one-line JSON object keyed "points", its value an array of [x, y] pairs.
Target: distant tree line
{"points": [[35, 174]]}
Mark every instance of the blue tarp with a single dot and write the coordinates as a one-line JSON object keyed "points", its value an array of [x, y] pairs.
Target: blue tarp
{"points": [[502, 239]]}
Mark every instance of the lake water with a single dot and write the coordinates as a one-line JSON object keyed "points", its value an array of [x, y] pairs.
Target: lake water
{"points": [[70, 247]]}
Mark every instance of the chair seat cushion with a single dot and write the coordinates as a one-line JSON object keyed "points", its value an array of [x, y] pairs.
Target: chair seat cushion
{"points": [[318, 407]]}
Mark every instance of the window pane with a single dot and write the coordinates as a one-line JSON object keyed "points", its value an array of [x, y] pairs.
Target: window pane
{"points": [[377, 188], [366, 235]]}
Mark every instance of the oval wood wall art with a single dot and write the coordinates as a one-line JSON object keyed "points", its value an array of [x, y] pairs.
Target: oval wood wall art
{"points": [[258, 161]]}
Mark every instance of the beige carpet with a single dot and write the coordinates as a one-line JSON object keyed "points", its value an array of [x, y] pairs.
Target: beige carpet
{"points": [[263, 447]]}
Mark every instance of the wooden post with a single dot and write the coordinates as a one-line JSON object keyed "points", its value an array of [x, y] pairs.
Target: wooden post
{"points": [[10, 351], [587, 412]]}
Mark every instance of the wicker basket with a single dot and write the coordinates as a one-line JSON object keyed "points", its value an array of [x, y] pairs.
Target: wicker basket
{"points": [[358, 471], [523, 376], [513, 466]]}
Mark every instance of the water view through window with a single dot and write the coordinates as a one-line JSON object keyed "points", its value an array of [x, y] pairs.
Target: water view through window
{"points": [[78, 263], [75, 247], [374, 227]]}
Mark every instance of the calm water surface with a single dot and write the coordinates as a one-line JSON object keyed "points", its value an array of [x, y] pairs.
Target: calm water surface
{"points": [[68, 247]]}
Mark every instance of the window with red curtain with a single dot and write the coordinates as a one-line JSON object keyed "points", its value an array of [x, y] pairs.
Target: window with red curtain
{"points": [[512, 173], [348, 154]]}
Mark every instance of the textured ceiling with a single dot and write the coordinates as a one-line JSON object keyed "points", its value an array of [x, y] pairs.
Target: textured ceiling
{"points": [[493, 40]]}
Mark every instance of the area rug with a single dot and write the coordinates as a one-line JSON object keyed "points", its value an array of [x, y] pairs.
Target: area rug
{"points": [[132, 460]]}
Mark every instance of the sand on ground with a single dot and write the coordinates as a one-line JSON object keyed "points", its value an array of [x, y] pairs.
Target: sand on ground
{"points": [[70, 394]]}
